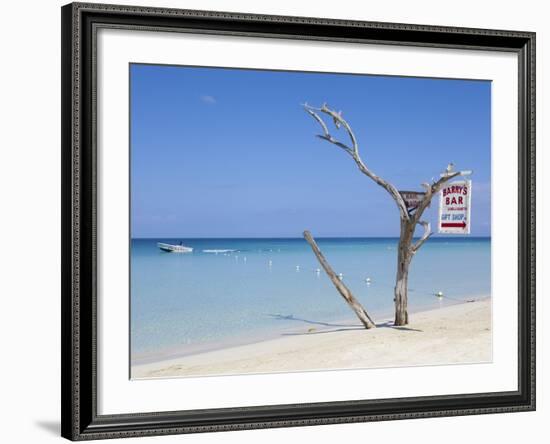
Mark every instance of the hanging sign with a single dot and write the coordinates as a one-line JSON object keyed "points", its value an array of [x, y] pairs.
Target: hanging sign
{"points": [[454, 207], [412, 198]]}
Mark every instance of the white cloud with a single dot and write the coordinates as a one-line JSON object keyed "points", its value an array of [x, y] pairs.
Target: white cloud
{"points": [[210, 100]]}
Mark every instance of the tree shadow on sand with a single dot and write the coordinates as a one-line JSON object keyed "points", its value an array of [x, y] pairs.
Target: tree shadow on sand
{"points": [[291, 317], [342, 327], [389, 324]]}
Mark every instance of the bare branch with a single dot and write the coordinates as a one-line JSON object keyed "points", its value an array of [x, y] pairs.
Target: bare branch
{"points": [[427, 233], [338, 122], [316, 117], [354, 304], [326, 135], [353, 151], [439, 184], [337, 143]]}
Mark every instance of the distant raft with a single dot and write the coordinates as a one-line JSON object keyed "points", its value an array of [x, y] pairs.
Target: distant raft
{"points": [[169, 248]]}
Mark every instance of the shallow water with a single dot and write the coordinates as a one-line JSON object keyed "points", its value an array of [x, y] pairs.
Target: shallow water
{"points": [[255, 287]]}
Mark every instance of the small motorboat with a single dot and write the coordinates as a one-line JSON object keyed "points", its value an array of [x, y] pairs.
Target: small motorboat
{"points": [[170, 248]]}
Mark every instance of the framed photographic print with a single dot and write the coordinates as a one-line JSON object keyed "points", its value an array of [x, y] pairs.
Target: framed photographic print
{"points": [[279, 221]]}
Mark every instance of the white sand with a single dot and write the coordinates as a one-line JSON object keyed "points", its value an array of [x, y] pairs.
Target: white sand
{"points": [[449, 335]]}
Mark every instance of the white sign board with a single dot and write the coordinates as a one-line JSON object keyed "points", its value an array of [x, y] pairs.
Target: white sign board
{"points": [[454, 207]]}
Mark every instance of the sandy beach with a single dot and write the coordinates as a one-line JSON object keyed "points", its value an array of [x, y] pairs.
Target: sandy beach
{"points": [[450, 335]]}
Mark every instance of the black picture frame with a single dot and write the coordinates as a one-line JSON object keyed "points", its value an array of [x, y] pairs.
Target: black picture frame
{"points": [[80, 420]]}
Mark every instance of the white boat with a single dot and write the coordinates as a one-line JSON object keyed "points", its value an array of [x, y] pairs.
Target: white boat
{"points": [[174, 248]]}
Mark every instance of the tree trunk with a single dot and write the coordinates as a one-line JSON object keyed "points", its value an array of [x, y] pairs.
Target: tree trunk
{"points": [[404, 256], [354, 304]]}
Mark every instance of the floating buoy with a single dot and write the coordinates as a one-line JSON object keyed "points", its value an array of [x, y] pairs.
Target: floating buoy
{"points": [[439, 294], [367, 280], [297, 268], [340, 276], [317, 270]]}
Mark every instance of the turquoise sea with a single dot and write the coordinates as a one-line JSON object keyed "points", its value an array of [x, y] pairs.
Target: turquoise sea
{"points": [[244, 290]]}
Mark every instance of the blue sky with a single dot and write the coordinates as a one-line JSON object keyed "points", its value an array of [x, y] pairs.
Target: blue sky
{"points": [[231, 153]]}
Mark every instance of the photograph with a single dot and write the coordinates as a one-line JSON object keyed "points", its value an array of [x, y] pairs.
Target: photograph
{"points": [[291, 221]]}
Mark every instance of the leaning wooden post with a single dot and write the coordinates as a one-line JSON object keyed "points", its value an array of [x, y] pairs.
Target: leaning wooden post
{"points": [[340, 286]]}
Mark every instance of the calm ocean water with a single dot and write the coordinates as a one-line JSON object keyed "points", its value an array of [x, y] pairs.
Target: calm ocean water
{"points": [[187, 302]]}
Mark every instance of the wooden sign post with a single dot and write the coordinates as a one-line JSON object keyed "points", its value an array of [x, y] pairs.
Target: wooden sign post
{"points": [[412, 199]]}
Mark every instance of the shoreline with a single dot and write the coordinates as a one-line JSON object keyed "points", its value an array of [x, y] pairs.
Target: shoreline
{"points": [[262, 335], [464, 326]]}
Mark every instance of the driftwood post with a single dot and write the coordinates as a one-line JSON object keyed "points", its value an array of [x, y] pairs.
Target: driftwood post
{"points": [[409, 218], [340, 286]]}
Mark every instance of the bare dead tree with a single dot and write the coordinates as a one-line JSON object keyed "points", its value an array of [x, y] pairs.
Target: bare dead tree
{"points": [[409, 219]]}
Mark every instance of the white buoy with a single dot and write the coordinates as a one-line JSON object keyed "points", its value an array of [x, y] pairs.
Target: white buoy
{"points": [[439, 294], [367, 280], [340, 276], [297, 268], [317, 270]]}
